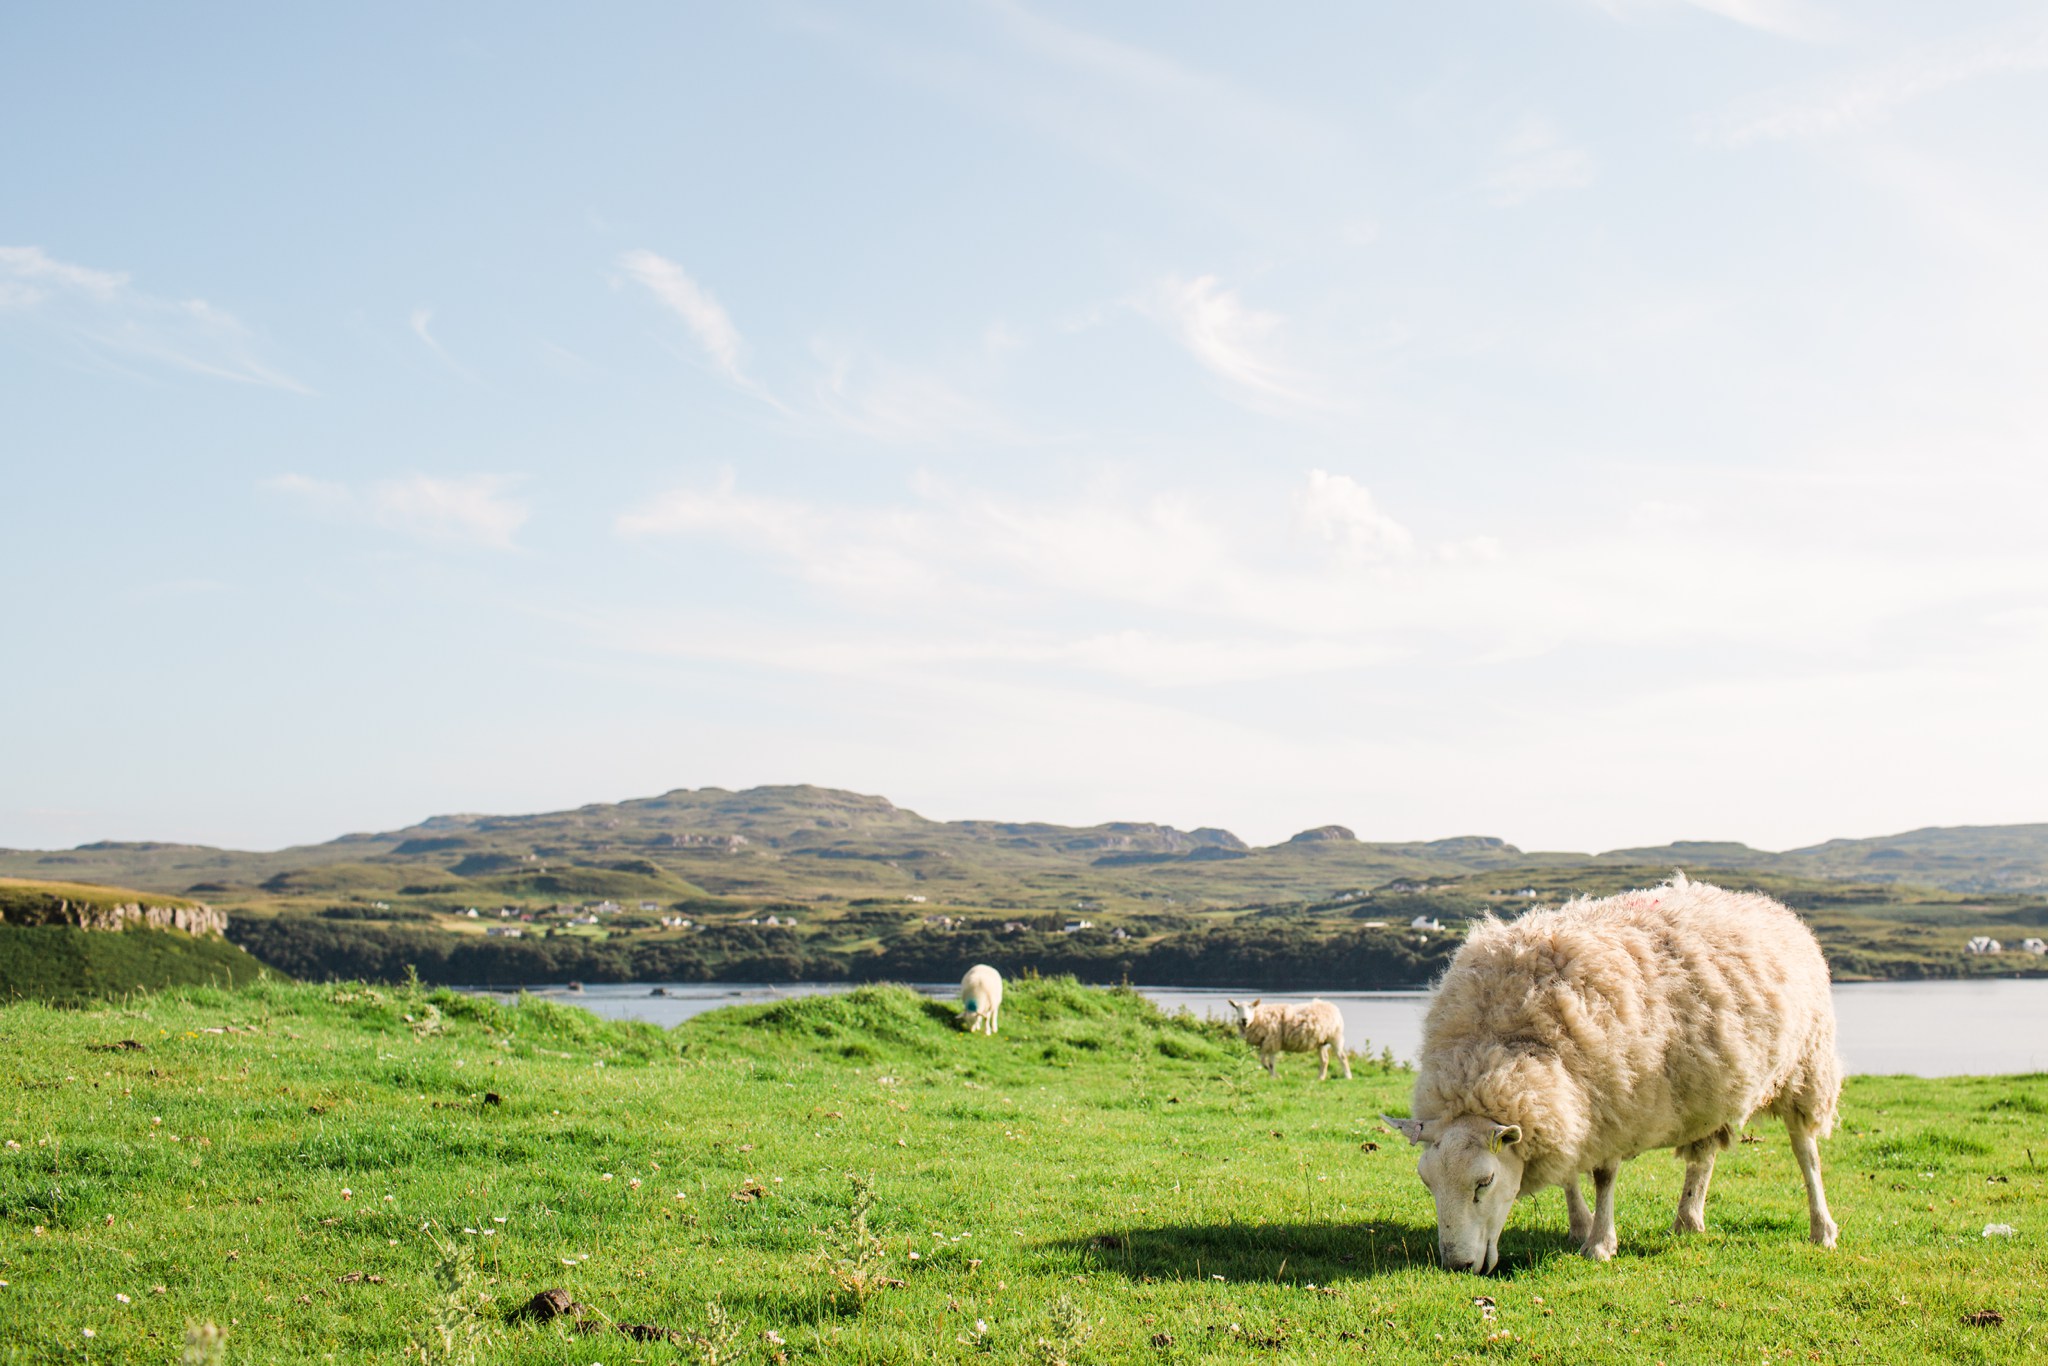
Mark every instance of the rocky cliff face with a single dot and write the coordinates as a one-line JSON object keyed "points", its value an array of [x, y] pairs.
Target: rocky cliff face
{"points": [[192, 918]]}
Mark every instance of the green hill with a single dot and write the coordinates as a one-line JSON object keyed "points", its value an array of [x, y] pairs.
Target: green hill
{"points": [[69, 942], [803, 881]]}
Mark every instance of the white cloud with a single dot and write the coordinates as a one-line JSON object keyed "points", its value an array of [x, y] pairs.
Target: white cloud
{"points": [[1105, 550], [1232, 341], [1537, 161], [1341, 511], [472, 509], [706, 318], [1868, 97], [103, 311]]}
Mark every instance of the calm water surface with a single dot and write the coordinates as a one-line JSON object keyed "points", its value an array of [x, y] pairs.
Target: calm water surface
{"points": [[1928, 1029]]}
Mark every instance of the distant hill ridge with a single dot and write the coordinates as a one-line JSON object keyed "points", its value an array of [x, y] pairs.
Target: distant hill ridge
{"points": [[760, 841]]}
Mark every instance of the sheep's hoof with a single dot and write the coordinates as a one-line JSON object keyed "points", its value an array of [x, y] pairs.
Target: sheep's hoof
{"points": [[1601, 1251], [1824, 1232], [1689, 1222]]}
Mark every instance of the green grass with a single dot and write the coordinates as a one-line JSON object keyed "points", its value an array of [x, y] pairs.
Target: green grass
{"points": [[317, 1171]]}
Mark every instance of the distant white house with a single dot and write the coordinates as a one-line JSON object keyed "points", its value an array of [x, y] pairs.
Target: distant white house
{"points": [[650, 905], [2033, 946], [918, 899], [471, 912], [1372, 924], [1425, 922], [607, 908], [1983, 944], [1076, 926], [503, 931]]}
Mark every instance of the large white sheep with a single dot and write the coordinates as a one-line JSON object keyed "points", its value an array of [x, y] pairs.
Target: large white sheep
{"points": [[981, 999], [1573, 1039], [1309, 1027]]}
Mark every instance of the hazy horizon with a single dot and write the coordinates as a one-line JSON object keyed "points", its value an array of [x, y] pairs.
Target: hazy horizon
{"points": [[1592, 423]]}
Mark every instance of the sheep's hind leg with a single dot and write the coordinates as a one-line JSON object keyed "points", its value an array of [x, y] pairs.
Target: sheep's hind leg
{"points": [[1575, 1207], [1344, 1058], [1324, 1053], [1692, 1200], [1821, 1226], [1602, 1240]]}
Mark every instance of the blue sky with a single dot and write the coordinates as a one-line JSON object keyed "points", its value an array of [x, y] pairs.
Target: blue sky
{"points": [[1590, 422]]}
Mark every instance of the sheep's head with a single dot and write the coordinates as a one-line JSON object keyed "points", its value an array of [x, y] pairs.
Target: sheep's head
{"points": [[1473, 1166], [1241, 1014]]}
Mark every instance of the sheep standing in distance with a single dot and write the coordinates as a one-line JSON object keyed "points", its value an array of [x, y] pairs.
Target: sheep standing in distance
{"points": [[1573, 1039], [981, 999], [1311, 1027]]}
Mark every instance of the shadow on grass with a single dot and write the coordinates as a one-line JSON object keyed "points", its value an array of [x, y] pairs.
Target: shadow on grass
{"points": [[1322, 1254]]}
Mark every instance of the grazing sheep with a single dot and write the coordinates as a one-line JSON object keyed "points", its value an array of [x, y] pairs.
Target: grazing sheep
{"points": [[1573, 1039], [981, 999], [1314, 1027]]}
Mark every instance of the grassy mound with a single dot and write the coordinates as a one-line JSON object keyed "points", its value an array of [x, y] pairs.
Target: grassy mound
{"points": [[61, 963], [1054, 1020]]}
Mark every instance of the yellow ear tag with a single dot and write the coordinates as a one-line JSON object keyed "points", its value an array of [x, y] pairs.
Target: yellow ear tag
{"points": [[1493, 1144]]}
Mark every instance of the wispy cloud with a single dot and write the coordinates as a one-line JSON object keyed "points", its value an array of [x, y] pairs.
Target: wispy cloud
{"points": [[706, 318], [1868, 97], [104, 312], [1159, 120], [1235, 342], [1786, 18], [421, 321], [472, 510], [903, 405], [1162, 552], [1535, 161]]}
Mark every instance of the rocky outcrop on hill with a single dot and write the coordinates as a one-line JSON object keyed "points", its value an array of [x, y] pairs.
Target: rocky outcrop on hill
{"points": [[1322, 834], [192, 917]]}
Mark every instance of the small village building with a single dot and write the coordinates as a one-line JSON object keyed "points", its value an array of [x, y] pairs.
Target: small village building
{"points": [[1983, 944]]}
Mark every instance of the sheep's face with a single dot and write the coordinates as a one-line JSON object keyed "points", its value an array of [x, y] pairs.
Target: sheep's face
{"points": [[1241, 1014], [1473, 1167]]}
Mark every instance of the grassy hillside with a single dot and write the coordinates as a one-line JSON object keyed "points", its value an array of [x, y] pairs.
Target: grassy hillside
{"points": [[377, 1175], [58, 963]]}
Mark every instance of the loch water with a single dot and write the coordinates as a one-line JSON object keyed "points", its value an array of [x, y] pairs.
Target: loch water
{"points": [[1928, 1029]]}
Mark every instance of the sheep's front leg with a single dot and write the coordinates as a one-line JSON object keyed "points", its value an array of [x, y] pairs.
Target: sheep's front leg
{"points": [[1266, 1060], [1324, 1075], [1344, 1058], [1601, 1241], [1821, 1226], [1575, 1207], [1692, 1200]]}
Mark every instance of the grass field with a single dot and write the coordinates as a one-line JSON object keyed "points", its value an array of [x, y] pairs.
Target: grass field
{"points": [[323, 1173]]}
